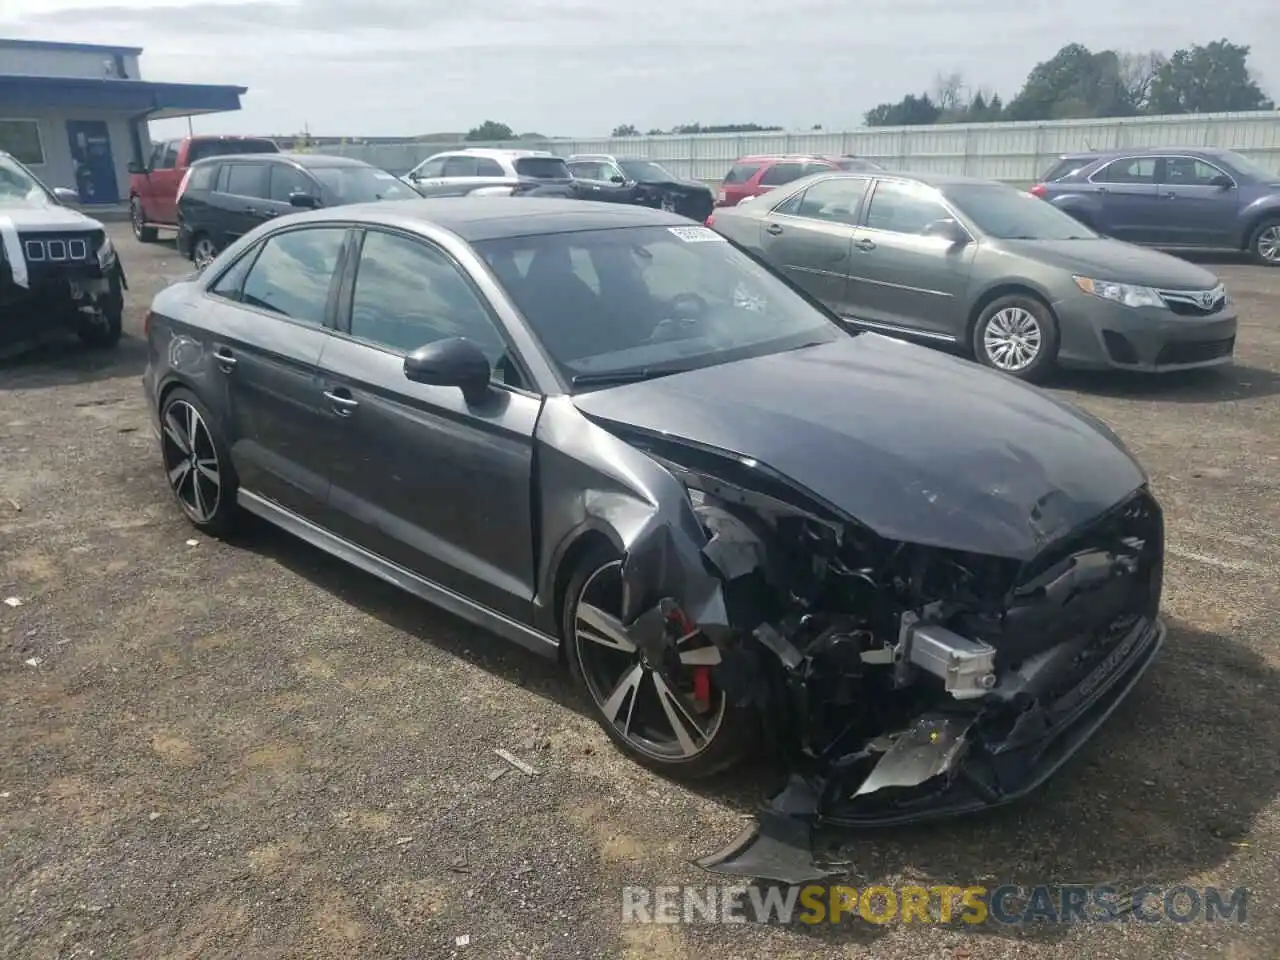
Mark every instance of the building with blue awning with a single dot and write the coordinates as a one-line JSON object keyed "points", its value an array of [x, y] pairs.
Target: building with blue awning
{"points": [[77, 113]]}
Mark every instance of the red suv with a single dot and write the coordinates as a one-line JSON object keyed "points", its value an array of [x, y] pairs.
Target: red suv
{"points": [[752, 176], [153, 189]]}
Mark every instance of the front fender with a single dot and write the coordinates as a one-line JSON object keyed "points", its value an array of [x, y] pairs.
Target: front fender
{"points": [[590, 481], [1254, 213]]}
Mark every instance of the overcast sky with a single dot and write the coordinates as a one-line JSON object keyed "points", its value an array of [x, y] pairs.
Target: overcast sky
{"points": [[580, 67]]}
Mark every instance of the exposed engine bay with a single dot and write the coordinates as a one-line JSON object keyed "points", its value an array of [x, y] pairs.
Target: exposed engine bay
{"points": [[904, 682]]}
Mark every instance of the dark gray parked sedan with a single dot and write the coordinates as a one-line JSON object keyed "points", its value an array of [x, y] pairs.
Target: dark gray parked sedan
{"points": [[988, 268], [1171, 197], [607, 434]]}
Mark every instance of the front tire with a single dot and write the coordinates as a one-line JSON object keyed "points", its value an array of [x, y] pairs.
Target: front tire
{"points": [[203, 250], [1264, 243], [104, 332], [651, 714], [197, 464], [138, 218], [1017, 335]]}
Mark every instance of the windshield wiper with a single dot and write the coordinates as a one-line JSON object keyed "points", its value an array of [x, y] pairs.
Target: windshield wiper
{"points": [[606, 378]]}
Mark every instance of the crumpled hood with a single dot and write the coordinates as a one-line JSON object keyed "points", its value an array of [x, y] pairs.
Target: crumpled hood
{"points": [[1106, 259], [52, 218], [677, 183], [918, 445]]}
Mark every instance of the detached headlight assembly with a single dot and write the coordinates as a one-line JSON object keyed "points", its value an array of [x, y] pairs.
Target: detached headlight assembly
{"points": [[1126, 293], [106, 254]]}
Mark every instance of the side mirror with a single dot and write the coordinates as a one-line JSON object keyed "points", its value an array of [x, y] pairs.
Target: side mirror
{"points": [[453, 362], [1223, 181], [66, 195], [136, 167], [617, 178], [948, 229], [305, 200]]}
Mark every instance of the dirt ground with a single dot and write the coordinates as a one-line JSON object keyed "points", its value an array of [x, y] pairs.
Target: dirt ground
{"points": [[249, 750]]}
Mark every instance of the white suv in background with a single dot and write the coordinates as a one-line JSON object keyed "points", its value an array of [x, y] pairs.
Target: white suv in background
{"points": [[479, 165]]}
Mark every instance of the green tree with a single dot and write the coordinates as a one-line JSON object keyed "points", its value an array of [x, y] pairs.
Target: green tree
{"points": [[1211, 78], [625, 130], [1075, 82], [908, 112], [490, 131]]}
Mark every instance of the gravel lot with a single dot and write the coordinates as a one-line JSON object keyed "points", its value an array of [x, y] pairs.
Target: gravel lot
{"points": [[248, 750]]}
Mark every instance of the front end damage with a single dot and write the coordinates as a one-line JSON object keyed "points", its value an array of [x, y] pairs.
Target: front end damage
{"points": [[900, 682]]}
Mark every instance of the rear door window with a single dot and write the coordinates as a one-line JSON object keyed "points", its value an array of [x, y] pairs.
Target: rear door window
{"points": [[783, 172], [486, 167], [293, 274], [837, 200], [742, 172], [904, 208], [246, 180], [542, 168], [1128, 170]]}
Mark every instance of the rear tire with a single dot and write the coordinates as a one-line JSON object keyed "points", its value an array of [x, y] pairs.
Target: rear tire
{"points": [[203, 250], [138, 217], [1017, 335], [718, 737], [197, 464], [1264, 243]]}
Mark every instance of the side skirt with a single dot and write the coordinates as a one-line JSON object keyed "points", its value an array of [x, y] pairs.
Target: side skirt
{"points": [[398, 576]]}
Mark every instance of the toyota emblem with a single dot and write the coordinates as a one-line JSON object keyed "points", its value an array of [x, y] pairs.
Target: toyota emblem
{"points": [[1206, 299]]}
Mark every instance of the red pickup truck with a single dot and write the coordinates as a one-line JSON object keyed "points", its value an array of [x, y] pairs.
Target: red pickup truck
{"points": [[153, 189]]}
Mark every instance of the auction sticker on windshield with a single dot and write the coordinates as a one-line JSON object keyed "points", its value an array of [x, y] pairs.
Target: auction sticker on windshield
{"points": [[697, 235]]}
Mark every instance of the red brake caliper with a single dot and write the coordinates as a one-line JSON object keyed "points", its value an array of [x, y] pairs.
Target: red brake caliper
{"points": [[700, 674]]}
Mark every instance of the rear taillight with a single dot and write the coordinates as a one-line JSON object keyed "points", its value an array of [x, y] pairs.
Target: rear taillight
{"points": [[183, 185], [1039, 190], [146, 323], [710, 221]]}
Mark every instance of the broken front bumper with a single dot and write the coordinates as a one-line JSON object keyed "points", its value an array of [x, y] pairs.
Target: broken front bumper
{"points": [[955, 762]]}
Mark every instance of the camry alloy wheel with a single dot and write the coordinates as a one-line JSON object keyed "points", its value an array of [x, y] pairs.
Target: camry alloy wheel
{"points": [[1268, 244], [653, 698], [191, 461], [1013, 339], [203, 253]]}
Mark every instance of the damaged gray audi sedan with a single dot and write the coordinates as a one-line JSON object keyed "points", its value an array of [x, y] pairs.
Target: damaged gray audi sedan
{"points": [[612, 436]]}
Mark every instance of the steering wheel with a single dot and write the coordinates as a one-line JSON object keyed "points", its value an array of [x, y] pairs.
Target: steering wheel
{"points": [[695, 307]]}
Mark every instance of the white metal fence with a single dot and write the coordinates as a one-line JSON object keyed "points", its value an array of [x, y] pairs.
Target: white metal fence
{"points": [[1014, 152]]}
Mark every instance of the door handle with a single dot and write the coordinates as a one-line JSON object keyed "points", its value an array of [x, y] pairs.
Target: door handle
{"points": [[773, 229], [865, 244], [342, 405], [250, 209], [224, 359], [1171, 195]]}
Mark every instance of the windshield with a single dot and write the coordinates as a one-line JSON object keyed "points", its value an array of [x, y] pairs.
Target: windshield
{"points": [[1250, 168], [543, 168], [1008, 214], [631, 303], [362, 184], [17, 185], [644, 171]]}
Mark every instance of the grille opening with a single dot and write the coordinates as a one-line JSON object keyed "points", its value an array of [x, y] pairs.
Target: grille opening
{"points": [[1194, 351]]}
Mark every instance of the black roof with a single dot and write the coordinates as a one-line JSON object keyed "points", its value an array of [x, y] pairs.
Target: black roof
{"points": [[493, 218], [297, 159]]}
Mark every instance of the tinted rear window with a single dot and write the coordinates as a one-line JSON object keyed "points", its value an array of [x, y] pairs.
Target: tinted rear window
{"points": [[202, 177], [1064, 168], [742, 172], [542, 168], [221, 148]]}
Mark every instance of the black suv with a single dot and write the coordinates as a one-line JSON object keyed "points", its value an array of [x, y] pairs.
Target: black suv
{"points": [[223, 198]]}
